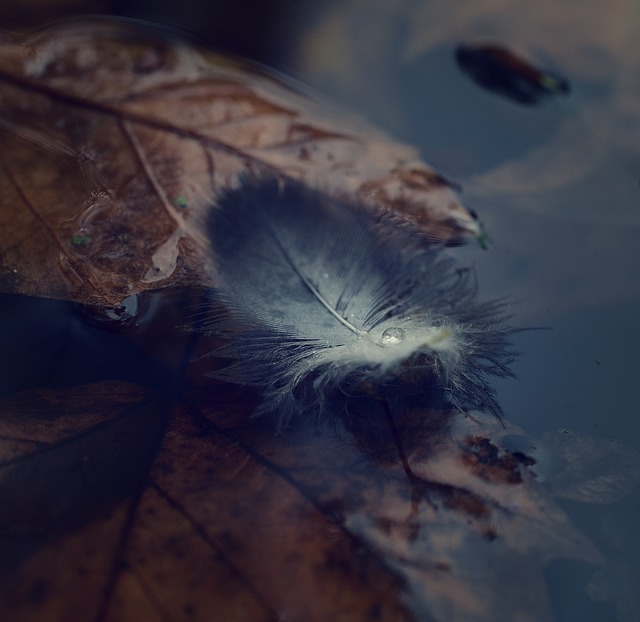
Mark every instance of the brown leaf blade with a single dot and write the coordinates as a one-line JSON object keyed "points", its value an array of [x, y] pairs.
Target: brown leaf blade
{"points": [[68, 464], [454, 516], [87, 531], [276, 537], [120, 505], [115, 144]]}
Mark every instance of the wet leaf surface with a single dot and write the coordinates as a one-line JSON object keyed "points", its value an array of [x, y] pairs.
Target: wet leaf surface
{"points": [[116, 141], [120, 503]]}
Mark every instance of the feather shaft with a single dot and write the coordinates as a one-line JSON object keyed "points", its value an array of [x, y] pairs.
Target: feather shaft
{"points": [[314, 290]]}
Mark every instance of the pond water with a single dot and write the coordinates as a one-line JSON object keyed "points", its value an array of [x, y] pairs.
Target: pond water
{"points": [[557, 188]]}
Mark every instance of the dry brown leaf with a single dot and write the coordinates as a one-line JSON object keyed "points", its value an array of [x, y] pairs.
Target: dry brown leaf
{"points": [[123, 505], [115, 141]]}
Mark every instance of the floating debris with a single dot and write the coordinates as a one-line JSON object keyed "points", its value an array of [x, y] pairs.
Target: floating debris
{"points": [[181, 202], [80, 239], [497, 69]]}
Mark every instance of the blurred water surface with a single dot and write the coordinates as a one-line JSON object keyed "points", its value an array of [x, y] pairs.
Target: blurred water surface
{"points": [[558, 189]]}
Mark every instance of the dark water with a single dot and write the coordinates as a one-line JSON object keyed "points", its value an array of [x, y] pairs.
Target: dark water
{"points": [[557, 187], [54, 343]]}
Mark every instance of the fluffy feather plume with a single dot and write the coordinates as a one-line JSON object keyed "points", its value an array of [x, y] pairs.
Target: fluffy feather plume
{"points": [[316, 292]]}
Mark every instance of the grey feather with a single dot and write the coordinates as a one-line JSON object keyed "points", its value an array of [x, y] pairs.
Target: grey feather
{"points": [[315, 291]]}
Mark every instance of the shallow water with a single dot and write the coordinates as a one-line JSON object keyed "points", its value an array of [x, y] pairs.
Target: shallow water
{"points": [[557, 189]]}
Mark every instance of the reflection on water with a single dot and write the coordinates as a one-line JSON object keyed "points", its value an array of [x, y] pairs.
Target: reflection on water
{"points": [[557, 188], [51, 343]]}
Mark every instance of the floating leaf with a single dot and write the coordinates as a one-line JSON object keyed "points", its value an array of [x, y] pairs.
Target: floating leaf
{"points": [[498, 69], [115, 142]]}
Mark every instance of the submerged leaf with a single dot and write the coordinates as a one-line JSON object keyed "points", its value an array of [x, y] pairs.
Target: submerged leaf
{"points": [[63, 457], [413, 515], [588, 469], [116, 141]]}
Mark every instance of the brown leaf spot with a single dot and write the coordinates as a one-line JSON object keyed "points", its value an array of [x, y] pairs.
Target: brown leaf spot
{"points": [[489, 463]]}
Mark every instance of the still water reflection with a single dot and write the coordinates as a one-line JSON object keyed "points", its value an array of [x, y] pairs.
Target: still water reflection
{"points": [[557, 187]]}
